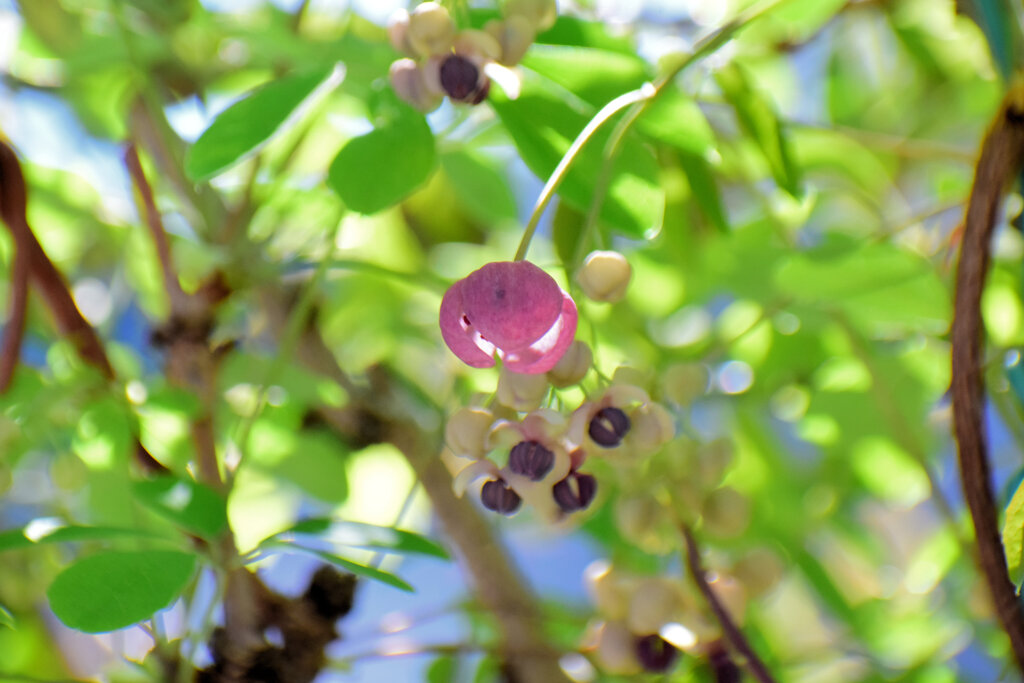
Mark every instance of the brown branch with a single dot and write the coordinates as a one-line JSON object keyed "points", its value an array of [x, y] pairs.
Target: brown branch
{"points": [[1002, 154], [70, 321], [155, 224], [732, 632], [14, 332]]}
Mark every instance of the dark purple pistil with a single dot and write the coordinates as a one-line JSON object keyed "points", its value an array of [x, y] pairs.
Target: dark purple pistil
{"points": [[459, 77], [531, 459], [608, 427], [497, 496], [575, 492], [655, 653]]}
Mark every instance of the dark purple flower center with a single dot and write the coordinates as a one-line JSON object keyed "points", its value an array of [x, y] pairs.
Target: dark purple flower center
{"points": [[575, 492], [608, 427], [655, 653], [459, 77], [531, 459], [497, 496]]}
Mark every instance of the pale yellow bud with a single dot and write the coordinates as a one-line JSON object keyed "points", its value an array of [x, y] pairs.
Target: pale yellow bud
{"points": [[573, 366], [514, 36], [651, 428], [616, 649], [408, 83], [604, 276], [655, 602], [474, 43], [726, 512], [609, 591], [758, 571], [467, 431], [730, 592], [683, 382], [431, 29], [540, 13], [520, 391]]}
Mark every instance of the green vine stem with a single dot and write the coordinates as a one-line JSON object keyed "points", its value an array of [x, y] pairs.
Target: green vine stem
{"points": [[640, 99]]}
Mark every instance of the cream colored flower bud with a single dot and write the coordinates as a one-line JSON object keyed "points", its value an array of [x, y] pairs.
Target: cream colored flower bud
{"points": [[521, 392], [604, 276], [514, 35], [408, 83], [616, 649], [655, 602], [726, 512], [608, 591], [431, 29], [758, 571], [652, 428], [467, 431], [472, 43], [398, 32], [540, 13], [573, 366], [683, 382], [733, 596]]}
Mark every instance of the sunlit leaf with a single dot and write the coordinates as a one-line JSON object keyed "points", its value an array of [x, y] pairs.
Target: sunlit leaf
{"points": [[545, 119], [1013, 535], [381, 168], [348, 565], [360, 535], [109, 591], [758, 120], [192, 506], [47, 530], [480, 187], [597, 76], [246, 125], [6, 618]]}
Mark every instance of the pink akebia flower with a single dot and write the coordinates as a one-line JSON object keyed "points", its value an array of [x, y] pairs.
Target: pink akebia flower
{"points": [[512, 310]]}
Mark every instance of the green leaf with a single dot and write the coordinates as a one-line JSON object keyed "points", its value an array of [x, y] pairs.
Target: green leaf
{"points": [[375, 171], [704, 189], [246, 125], [442, 670], [192, 506], [480, 187], [675, 119], [880, 285], [758, 120], [545, 119], [113, 590], [360, 535], [597, 76], [1013, 535], [54, 531], [348, 565], [6, 618]]}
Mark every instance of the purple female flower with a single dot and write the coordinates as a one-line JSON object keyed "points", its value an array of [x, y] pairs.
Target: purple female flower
{"points": [[511, 309]]}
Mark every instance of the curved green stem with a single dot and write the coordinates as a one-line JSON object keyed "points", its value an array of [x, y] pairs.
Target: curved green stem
{"points": [[705, 47], [609, 110]]}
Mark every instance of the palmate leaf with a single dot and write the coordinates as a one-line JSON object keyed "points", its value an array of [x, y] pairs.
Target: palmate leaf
{"points": [[109, 591], [348, 565], [245, 126]]}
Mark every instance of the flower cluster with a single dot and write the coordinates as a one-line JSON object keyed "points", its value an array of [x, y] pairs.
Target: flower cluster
{"points": [[516, 312], [441, 60]]}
